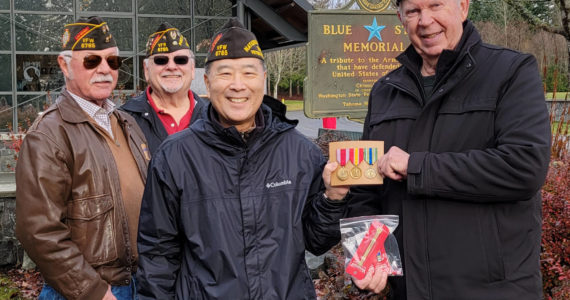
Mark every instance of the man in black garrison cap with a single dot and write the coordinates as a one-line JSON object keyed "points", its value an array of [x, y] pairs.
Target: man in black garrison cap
{"points": [[80, 177], [232, 204], [168, 105]]}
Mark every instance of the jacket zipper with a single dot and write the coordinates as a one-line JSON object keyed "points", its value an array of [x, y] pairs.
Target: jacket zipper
{"points": [[429, 284]]}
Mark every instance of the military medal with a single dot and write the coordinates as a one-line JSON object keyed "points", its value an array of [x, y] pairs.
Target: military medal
{"points": [[356, 156], [342, 172], [371, 156]]}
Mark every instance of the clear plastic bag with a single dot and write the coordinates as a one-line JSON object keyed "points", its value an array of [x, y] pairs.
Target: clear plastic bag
{"points": [[368, 241]]}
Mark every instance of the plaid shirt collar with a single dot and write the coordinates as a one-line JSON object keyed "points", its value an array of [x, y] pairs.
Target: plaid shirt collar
{"points": [[101, 115]]}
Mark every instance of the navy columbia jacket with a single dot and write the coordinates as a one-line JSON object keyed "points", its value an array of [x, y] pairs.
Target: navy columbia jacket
{"points": [[226, 219]]}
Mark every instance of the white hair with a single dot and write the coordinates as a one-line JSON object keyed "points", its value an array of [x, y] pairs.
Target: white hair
{"points": [[402, 1], [66, 55]]}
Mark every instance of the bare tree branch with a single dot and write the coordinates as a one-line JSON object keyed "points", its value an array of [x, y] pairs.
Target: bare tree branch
{"points": [[519, 7]]}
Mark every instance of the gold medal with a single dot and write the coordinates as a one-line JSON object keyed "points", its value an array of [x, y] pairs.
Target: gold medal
{"points": [[371, 156], [342, 172], [370, 173], [356, 156], [355, 173]]}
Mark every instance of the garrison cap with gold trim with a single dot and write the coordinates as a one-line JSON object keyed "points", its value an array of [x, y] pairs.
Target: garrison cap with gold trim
{"points": [[166, 39], [233, 41], [90, 33]]}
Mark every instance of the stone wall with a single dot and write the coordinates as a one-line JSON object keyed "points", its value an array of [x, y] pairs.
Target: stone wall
{"points": [[559, 106], [8, 145], [11, 252]]}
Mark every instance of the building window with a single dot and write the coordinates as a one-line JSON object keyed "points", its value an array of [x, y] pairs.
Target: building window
{"points": [[205, 29], [126, 75], [6, 113], [44, 5], [40, 32], [105, 6], [30, 106], [30, 40], [159, 7], [213, 8], [36, 72], [122, 30], [6, 74], [5, 32]]}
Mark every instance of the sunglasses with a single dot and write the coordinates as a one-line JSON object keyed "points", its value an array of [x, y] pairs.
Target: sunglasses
{"points": [[92, 61], [163, 60]]}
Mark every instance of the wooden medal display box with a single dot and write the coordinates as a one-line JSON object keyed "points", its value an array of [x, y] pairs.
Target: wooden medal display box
{"points": [[357, 162]]}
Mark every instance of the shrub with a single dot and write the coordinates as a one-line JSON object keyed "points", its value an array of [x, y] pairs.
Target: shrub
{"points": [[555, 256]]}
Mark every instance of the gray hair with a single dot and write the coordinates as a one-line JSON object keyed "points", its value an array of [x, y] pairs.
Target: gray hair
{"points": [[66, 54], [398, 2]]}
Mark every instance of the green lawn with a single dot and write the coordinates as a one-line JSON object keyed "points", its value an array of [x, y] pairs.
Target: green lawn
{"points": [[556, 124], [8, 289], [559, 96], [294, 105]]}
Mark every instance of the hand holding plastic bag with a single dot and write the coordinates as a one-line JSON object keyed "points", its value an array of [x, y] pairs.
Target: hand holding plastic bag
{"points": [[368, 242]]}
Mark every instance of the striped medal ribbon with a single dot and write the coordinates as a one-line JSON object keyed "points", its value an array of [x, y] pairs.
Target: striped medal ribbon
{"points": [[371, 156], [341, 158], [356, 156]]}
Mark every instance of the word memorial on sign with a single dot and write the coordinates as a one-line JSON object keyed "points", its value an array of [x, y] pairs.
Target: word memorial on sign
{"points": [[348, 51]]}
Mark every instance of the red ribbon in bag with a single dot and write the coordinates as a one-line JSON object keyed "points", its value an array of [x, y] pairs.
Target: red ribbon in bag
{"points": [[370, 252]]}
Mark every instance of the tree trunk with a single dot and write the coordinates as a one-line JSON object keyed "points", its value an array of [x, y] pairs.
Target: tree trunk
{"points": [[563, 29], [276, 86], [568, 63]]}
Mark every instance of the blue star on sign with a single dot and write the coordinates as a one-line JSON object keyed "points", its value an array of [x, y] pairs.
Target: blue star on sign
{"points": [[374, 30]]}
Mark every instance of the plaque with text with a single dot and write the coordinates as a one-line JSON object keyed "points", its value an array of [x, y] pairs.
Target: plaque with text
{"points": [[348, 51]]}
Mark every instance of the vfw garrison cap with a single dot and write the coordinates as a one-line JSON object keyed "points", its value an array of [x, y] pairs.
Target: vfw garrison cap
{"points": [[166, 39], [90, 33], [233, 41]]}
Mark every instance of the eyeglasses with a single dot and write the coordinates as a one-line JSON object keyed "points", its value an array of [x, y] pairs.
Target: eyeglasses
{"points": [[92, 61], [162, 60]]}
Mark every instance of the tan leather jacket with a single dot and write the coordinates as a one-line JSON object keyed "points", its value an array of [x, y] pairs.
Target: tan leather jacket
{"points": [[70, 217]]}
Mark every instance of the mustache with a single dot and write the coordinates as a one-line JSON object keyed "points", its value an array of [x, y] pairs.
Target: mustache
{"points": [[101, 78]]}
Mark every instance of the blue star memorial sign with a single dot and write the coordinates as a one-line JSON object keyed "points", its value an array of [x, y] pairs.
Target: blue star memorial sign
{"points": [[374, 30]]}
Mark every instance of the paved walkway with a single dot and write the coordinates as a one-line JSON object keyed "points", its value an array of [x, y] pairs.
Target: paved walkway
{"points": [[310, 127]]}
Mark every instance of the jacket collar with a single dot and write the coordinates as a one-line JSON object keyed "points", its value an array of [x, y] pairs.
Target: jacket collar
{"points": [[448, 59], [270, 118], [139, 104], [71, 112]]}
